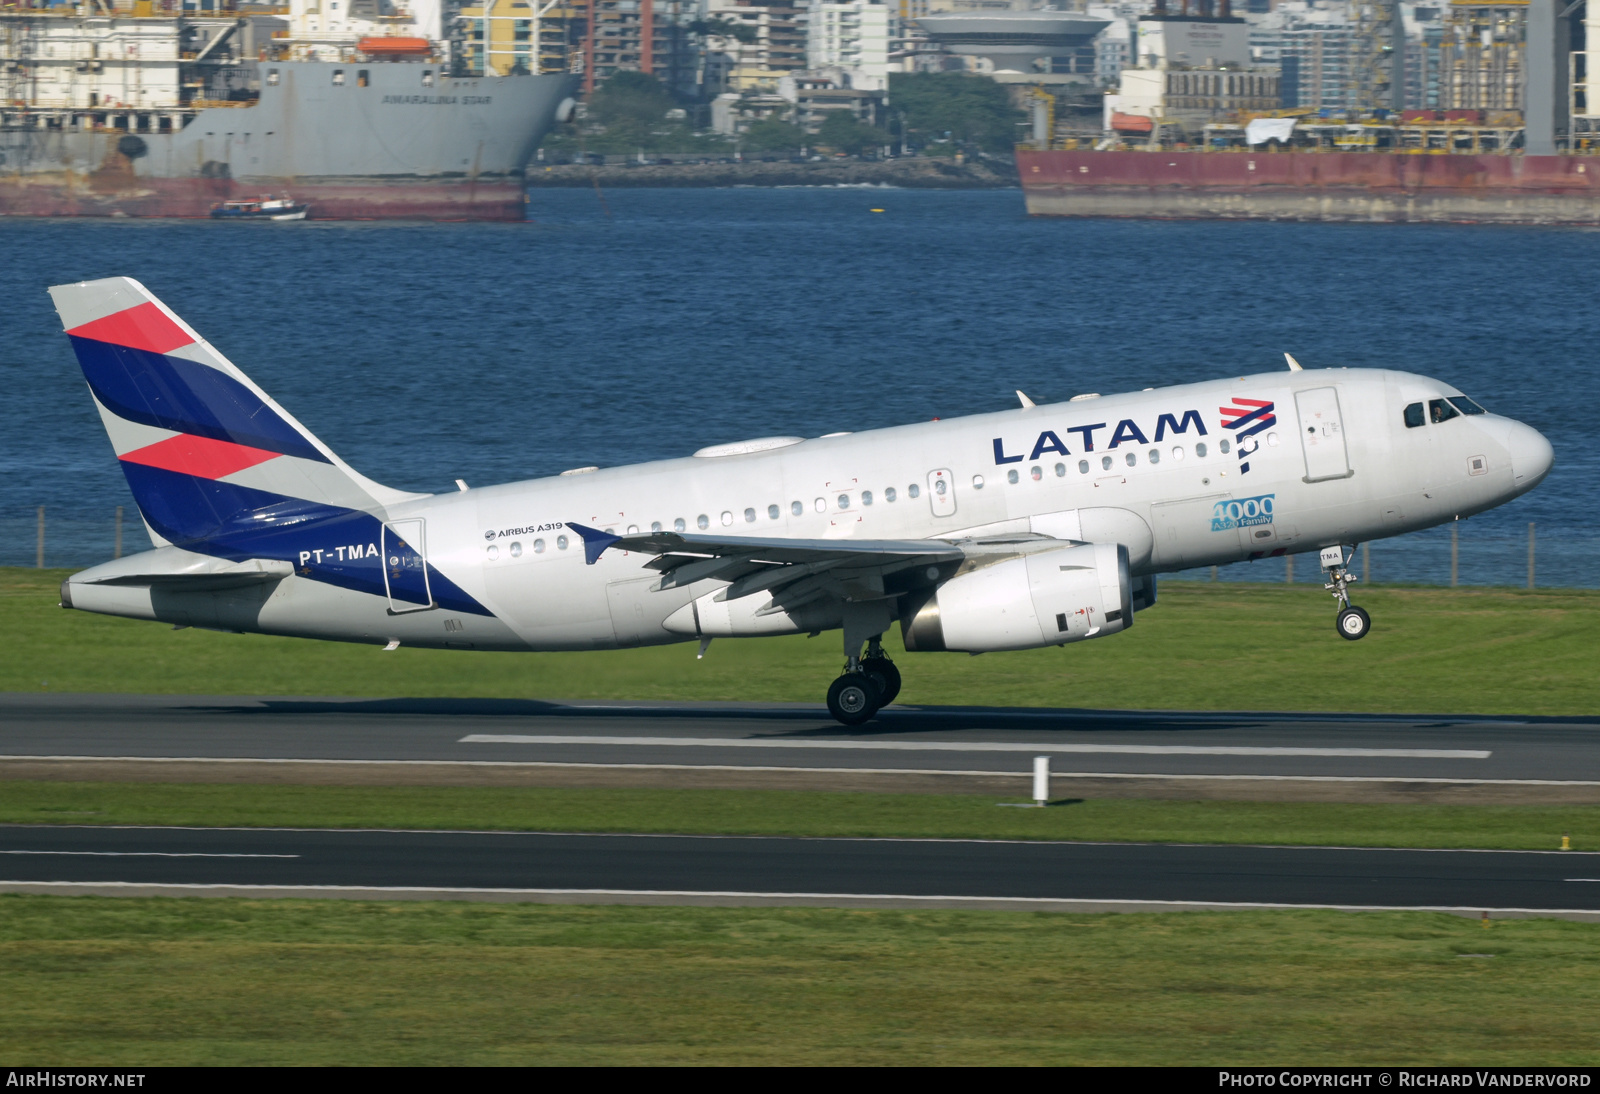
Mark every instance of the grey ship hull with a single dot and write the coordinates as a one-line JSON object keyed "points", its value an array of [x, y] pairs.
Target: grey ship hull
{"points": [[381, 144]]}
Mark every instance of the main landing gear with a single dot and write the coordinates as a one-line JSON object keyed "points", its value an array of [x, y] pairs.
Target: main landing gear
{"points": [[868, 683], [1351, 622]]}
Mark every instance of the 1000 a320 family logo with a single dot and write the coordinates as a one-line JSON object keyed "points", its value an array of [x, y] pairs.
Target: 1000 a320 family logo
{"points": [[1242, 512]]}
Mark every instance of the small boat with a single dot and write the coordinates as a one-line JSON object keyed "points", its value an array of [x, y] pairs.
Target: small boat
{"points": [[266, 208]]}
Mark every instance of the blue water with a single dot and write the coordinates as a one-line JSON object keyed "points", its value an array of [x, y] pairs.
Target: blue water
{"points": [[426, 353]]}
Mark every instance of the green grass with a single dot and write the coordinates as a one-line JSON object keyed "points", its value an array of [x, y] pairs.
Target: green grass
{"points": [[1204, 647], [148, 982], [798, 813]]}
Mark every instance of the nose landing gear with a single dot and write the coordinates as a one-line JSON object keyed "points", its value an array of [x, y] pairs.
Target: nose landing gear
{"points": [[1351, 622]]}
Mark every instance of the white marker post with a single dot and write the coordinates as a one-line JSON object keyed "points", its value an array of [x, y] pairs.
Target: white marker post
{"points": [[1041, 781]]}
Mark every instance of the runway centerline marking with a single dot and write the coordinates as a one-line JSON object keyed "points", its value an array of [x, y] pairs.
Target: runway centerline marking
{"points": [[150, 854], [976, 746]]}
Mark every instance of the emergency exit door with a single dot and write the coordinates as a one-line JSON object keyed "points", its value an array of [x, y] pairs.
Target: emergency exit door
{"points": [[1322, 434], [942, 493], [405, 566]]}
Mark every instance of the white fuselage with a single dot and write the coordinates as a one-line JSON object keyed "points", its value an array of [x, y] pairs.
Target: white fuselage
{"points": [[1158, 471]]}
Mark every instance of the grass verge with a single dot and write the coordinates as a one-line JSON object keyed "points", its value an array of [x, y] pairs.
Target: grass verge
{"points": [[798, 813], [150, 982], [1203, 647]]}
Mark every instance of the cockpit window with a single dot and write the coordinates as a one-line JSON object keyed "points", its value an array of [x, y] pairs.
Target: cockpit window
{"points": [[1440, 410], [1466, 405], [1414, 416]]}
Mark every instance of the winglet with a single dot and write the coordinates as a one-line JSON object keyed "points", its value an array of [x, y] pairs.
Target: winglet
{"points": [[1027, 403], [1294, 366], [594, 541]]}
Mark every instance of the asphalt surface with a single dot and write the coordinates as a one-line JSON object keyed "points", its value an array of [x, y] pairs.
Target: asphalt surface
{"points": [[799, 736], [679, 865]]}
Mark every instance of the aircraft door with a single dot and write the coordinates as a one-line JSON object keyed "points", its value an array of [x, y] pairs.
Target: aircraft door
{"points": [[1322, 434], [405, 567], [942, 493]]}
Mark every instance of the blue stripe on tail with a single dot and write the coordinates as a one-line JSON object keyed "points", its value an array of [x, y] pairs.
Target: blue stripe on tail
{"points": [[172, 393]]}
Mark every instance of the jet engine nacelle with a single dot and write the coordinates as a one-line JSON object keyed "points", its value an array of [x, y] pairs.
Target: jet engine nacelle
{"points": [[1048, 598]]}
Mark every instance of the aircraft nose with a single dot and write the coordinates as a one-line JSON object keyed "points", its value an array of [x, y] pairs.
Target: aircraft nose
{"points": [[1531, 456]]}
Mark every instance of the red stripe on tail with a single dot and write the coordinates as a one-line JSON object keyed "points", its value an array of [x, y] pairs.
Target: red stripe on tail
{"points": [[144, 326], [199, 456]]}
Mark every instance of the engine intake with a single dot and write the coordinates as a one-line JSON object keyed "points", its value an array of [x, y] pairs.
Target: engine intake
{"points": [[1048, 598]]}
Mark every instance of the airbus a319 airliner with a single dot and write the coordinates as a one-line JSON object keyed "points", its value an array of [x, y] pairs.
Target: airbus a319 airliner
{"points": [[1039, 526]]}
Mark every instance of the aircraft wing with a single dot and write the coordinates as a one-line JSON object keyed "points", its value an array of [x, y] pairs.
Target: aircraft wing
{"points": [[794, 570]]}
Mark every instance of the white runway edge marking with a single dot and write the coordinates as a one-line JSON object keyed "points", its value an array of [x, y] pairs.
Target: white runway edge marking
{"points": [[150, 854], [976, 746], [534, 764], [664, 895]]}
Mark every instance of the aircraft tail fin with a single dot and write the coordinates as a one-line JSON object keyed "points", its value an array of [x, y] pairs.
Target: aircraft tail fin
{"points": [[206, 452]]}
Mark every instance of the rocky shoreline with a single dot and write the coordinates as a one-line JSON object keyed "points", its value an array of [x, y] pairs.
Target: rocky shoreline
{"points": [[920, 172]]}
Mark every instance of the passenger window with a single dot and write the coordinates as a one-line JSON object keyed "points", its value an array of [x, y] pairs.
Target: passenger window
{"points": [[702, 522], [1222, 446], [1131, 458], [1413, 416], [1061, 470], [1155, 455], [1105, 463], [888, 494], [772, 512], [749, 516], [338, 77], [516, 550], [822, 505], [796, 508], [1440, 410], [977, 482], [1466, 405], [633, 529], [866, 497], [1177, 453], [427, 77], [561, 543], [844, 501], [272, 77], [1036, 473], [538, 546], [678, 525], [1083, 467], [727, 518], [940, 488], [361, 77], [655, 526], [1011, 477], [1200, 450], [913, 491]]}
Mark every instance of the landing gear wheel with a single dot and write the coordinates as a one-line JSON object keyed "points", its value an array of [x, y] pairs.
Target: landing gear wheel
{"points": [[1353, 623], [885, 675], [853, 698]]}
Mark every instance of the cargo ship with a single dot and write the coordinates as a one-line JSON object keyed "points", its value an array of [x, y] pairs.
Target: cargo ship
{"points": [[156, 108], [1197, 130]]}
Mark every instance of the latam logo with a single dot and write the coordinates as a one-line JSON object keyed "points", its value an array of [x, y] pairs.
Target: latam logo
{"points": [[1242, 513], [1247, 417], [1126, 432]]}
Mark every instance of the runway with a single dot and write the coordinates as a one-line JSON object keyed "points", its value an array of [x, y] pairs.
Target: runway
{"points": [[1104, 745], [776, 870]]}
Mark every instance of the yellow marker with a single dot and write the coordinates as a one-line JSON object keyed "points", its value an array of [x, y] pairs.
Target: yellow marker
{"points": [[1566, 842], [877, 210], [1486, 921]]}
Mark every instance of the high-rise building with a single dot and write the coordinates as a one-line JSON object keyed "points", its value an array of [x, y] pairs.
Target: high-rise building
{"points": [[772, 45], [856, 36]]}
